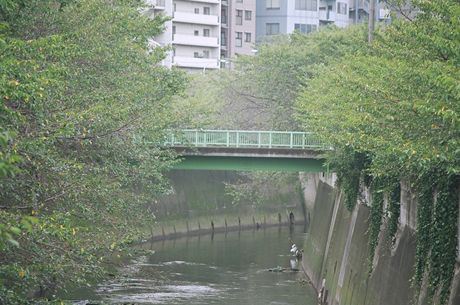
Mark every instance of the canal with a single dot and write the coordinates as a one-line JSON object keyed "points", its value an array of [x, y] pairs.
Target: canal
{"points": [[232, 268]]}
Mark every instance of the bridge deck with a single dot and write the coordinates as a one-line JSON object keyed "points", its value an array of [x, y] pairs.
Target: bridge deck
{"points": [[247, 150]]}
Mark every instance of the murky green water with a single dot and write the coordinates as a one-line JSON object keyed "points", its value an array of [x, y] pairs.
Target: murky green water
{"points": [[226, 269]]}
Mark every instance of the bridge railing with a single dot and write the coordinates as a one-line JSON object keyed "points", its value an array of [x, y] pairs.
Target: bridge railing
{"points": [[244, 139]]}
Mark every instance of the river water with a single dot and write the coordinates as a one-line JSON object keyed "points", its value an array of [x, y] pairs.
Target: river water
{"points": [[225, 269]]}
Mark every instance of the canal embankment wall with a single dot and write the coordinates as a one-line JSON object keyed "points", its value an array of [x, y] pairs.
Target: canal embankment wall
{"points": [[337, 247], [199, 203], [336, 253]]}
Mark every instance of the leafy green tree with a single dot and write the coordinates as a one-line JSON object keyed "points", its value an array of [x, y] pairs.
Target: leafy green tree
{"points": [[369, 101], [398, 104], [261, 90], [81, 94]]}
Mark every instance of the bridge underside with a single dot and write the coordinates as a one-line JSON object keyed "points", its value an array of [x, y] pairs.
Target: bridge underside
{"points": [[259, 163]]}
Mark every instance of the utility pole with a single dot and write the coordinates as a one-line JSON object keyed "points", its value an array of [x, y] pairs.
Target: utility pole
{"points": [[371, 27]]}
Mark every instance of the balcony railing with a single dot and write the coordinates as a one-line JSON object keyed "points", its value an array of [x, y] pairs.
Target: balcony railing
{"points": [[194, 62], [192, 40], [196, 18]]}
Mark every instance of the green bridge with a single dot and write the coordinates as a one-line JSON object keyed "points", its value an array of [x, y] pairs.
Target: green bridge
{"points": [[247, 150]]}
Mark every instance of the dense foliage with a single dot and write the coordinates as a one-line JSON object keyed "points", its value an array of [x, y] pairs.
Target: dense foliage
{"points": [[397, 102], [79, 87], [259, 92]]}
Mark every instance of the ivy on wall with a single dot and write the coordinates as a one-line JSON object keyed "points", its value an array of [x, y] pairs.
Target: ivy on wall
{"points": [[393, 209], [443, 247], [375, 219], [350, 167]]}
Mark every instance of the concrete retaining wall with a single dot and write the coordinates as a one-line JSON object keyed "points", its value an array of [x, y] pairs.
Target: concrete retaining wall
{"points": [[336, 251]]}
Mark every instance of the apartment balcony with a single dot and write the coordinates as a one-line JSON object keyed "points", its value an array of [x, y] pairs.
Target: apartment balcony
{"points": [[191, 40], [157, 4], [192, 62], [196, 18], [326, 16]]}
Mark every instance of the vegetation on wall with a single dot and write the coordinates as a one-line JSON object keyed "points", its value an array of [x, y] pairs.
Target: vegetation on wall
{"points": [[443, 241], [375, 218]]}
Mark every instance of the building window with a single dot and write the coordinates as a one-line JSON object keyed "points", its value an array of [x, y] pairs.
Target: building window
{"points": [[239, 1], [239, 17], [196, 33], [206, 32], [247, 37], [341, 8], [205, 54], [206, 10], [306, 5], [239, 39], [272, 28], [247, 15], [174, 29], [196, 54], [272, 4], [197, 10], [305, 28]]}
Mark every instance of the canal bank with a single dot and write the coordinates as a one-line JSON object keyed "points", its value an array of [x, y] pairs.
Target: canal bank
{"points": [[336, 255], [207, 201], [337, 250]]}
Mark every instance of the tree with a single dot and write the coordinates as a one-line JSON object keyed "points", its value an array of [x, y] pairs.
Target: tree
{"points": [[397, 105], [260, 92], [81, 93]]}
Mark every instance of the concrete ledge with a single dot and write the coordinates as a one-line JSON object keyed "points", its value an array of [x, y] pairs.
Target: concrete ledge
{"points": [[220, 230], [249, 152]]}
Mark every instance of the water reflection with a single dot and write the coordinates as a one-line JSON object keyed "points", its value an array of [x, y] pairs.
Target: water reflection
{"points": [[226, 269]]}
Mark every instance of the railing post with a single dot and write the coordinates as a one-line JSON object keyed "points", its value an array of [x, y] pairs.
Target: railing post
{"points": [[228, 138], [204, 139], [303, 140], [290, 142], [237, 139], [196, 137], [173, 140], [270, 140], [258, 140]]}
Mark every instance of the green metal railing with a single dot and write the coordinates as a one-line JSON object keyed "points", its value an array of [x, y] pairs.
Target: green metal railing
{"points": [[243, 139]]}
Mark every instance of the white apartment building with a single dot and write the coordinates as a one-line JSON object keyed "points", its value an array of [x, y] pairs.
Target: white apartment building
{"points": [[194, 32], [285, 16]]}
